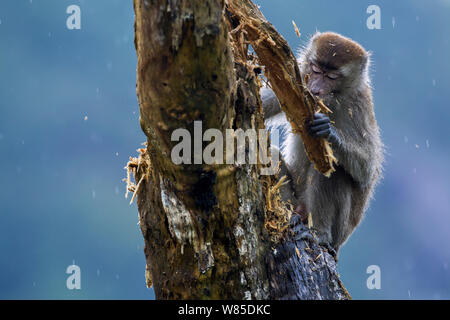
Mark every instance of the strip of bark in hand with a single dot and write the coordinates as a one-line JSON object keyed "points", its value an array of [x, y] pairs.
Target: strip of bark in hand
{"points": [[283, 73]]}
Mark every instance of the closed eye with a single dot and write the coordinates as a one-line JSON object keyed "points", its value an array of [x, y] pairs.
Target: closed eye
{"points": [[315, 69], [332, 76]]}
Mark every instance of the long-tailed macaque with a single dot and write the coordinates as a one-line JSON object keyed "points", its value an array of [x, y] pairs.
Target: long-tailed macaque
{"points": [[338, 73]]}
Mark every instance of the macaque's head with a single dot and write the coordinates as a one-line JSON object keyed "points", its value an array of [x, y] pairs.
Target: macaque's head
{"points": [[334, 65]]}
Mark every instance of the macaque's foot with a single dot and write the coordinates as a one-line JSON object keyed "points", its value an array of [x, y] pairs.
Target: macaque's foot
{"points": [[324, 240], [307, 235], [300, 230], [330, 250]]}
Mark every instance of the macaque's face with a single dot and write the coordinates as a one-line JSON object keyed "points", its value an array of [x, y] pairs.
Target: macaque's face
{"points": [[323, 82]]}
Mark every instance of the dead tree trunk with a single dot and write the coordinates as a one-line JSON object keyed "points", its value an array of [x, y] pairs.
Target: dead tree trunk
{"points": [[212, 231]]}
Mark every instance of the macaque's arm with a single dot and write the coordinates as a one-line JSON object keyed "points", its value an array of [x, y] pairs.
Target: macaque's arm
{"points": [[353, 155], [271, 105]]}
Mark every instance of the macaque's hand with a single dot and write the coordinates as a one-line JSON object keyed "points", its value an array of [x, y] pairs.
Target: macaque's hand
{"points": [[321, 127]]}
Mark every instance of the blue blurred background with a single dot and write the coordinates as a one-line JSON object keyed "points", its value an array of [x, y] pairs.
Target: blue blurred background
{"points": [[69, 122]]}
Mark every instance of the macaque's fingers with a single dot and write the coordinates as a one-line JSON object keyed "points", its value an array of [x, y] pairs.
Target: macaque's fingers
{"points": [[319, 115], [320, 121], [324, 133], [320, 127], [316, 123]]}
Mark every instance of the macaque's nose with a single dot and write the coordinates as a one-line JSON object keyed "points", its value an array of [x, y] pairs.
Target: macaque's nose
{"points": [[317, 91]]}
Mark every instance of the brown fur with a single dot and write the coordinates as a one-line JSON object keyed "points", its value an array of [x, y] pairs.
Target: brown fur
{"points": [[333, 50]]}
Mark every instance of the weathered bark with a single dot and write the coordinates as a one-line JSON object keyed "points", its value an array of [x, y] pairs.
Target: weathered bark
{"points": [[204, 225]]}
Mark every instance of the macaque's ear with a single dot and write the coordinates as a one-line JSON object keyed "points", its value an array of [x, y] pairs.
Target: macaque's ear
{"points": [[358, 66], [365, 64], [365, 61]]}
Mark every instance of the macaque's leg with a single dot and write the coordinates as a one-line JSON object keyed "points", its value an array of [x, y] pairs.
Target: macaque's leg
{"points": [[330, 207]]}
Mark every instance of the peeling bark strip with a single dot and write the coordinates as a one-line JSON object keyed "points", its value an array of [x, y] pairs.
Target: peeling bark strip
{"points": [[203, 225], [282, 71]]}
